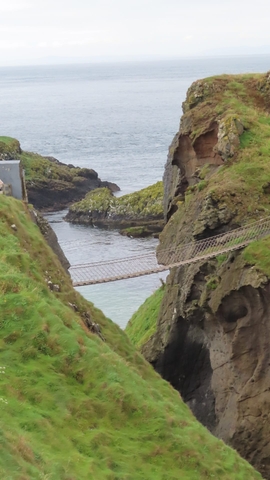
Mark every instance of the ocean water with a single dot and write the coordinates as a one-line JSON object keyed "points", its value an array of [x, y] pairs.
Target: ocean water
{"points": [[118, 119]]}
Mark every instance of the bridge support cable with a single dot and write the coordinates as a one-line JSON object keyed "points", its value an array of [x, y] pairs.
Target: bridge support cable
{"points": [[146, 264]]}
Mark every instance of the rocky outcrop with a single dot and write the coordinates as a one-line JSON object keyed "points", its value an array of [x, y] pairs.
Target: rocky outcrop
{"points": [[50, 194], [212, 338], [138, 214], [60, 185], [212, 345], [9, 148], [50, 237], [52, 185]]}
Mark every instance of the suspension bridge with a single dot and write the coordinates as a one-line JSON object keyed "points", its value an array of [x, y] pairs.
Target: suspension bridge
{"points": [[184, 254]]}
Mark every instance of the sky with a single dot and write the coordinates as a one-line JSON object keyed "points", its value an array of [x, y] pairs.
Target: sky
{"points": [[52, 31]]}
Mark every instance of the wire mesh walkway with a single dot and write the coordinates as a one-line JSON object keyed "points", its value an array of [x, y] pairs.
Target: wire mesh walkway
{"points": [[137, 266]]}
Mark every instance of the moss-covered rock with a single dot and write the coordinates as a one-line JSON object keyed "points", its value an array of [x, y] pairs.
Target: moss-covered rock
{"points": [[51, 185], [9, 148], [212, 335], [223, 139], [229, 130], [139, 209]]}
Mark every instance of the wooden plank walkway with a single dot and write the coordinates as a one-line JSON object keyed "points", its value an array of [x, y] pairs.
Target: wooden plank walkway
{"points": [[137, 266]]}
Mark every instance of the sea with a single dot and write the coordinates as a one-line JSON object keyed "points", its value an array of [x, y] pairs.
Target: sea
{"points": [[119, 119]]}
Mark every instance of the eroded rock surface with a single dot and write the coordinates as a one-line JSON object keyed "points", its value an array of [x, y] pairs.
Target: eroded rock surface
{"points": [[141, 211], [212, 345], [212, 340], [51, 184], [50, 237]]}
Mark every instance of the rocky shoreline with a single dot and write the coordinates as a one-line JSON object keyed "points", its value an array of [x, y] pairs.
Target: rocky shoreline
{"points": [[136, 214]]}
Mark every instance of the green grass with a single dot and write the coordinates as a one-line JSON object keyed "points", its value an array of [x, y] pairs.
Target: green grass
{"points": [[248, 174], [40, 169], [143, 323], [212, 283], [141, 204], [242, 185], [7, 140], [9, 148], [222, 258], [202, 185], [258, 253], [98, 200], [74, 407]]}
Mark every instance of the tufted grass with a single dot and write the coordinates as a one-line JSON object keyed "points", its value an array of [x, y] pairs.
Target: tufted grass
{"points": [[7, 140], [258, 253], [247, 175], [143, 323], [40, 169], [10, 147], [74, 407], [42, 173], [145, 203]]}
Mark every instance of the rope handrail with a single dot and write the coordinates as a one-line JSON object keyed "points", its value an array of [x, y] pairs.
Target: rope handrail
{"points": [[146, 263], [120, 259]]}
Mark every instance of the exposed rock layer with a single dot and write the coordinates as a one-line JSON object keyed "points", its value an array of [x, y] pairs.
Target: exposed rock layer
{"points": [[141, 211], [212, 338], [59, 193], [51, 184], [50, 237]]}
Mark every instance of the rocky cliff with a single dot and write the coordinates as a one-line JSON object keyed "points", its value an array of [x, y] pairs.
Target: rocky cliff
{"points": [[212, 336], [136, 214], [52, 185]]}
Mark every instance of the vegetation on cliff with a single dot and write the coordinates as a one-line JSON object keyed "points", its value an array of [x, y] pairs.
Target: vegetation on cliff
{"points": [[141, 208], [9, 148], [74, 406], [143, 323], [225, 132], [50, 183], [212, 337], [235, 190]]}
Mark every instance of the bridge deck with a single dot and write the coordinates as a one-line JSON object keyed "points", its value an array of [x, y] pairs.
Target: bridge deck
{"points": [[136, 266]]}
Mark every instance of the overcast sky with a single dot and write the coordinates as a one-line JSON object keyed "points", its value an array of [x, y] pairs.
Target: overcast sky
{"points": [[34, 31]]}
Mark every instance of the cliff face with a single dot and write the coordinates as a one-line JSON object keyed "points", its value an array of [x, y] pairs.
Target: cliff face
{"points": [[212, 339], [50, 237]]}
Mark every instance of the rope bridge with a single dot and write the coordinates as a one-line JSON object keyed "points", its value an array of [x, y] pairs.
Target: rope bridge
{"points": [[146, 264]]}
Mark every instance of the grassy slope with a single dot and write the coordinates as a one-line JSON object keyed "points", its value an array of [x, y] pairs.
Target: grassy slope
{"points": [[73, 407], [10, 147], [142, 324], [38, 168]]}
